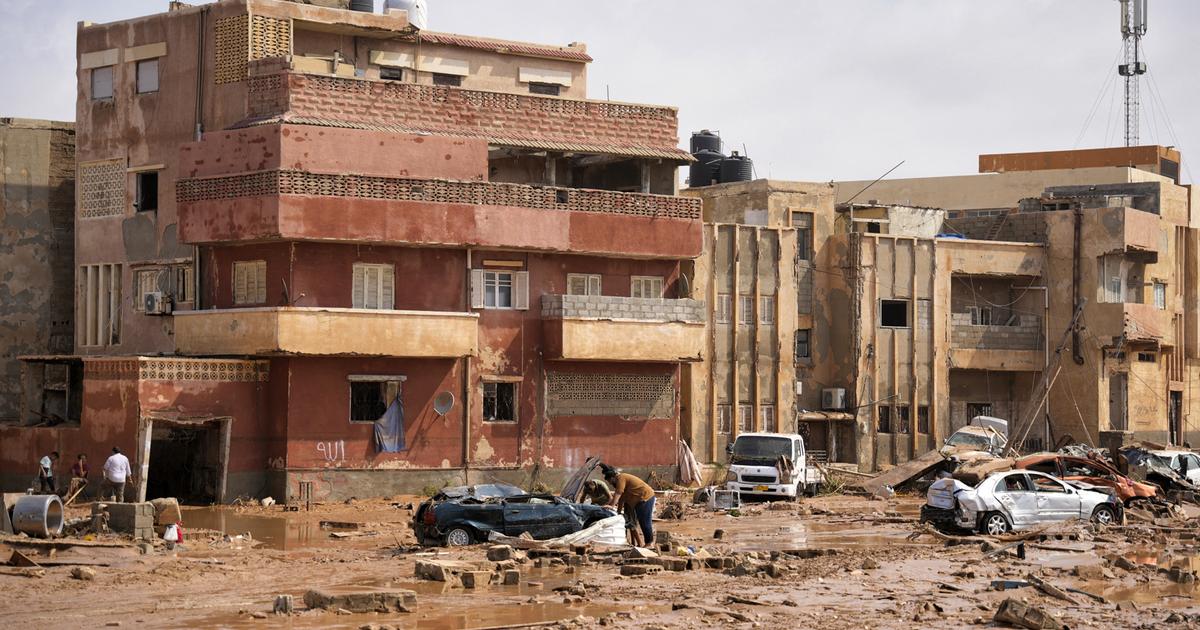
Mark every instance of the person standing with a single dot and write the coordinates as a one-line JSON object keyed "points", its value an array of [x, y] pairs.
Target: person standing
{"points": [[45, 480], [79, 475], [635, 497], [116, 473]]}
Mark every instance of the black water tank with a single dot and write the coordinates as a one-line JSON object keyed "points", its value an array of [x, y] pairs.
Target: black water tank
{"points": [[365, 6], [736, 168], [705, 169], [706, 140]]}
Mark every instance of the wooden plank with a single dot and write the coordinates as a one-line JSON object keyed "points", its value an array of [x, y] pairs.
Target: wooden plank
{"points": [[904, 472]]}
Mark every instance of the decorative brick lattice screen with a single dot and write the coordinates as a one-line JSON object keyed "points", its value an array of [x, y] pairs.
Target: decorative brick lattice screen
{"points": [[630, 395], [102, 189]]}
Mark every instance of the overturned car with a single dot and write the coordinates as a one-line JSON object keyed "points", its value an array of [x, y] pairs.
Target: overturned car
{"points": [[1017, 500], [466, 515]]}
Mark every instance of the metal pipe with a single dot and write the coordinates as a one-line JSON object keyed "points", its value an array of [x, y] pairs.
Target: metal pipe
{"points": [[38, 515], [1076, 348]]}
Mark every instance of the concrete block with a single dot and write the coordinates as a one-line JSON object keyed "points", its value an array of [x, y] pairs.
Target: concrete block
{"points": [[442, 570], [476, 579], [633, 570], [127, 518], [511, 577], [496, 553], [363, 602]]}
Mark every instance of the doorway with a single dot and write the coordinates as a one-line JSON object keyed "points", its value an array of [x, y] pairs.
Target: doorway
{"points": [[185, 460], [1175, 417], [1118, 401]]}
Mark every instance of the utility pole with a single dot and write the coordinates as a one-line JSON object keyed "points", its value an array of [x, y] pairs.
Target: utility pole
{"points": [[1133, 27]]}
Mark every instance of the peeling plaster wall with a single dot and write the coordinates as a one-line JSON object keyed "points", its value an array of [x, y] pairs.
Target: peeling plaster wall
{"points": [[37, 193]]}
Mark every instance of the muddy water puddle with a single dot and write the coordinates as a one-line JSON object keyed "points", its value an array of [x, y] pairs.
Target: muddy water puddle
{"points": [[273, 532], [749, 536]]}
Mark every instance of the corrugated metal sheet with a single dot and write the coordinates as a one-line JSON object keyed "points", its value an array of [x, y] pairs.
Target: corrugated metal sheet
{"points": [[504, 46]]}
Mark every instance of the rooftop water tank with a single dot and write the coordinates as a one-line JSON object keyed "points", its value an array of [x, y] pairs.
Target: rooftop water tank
{"points": [[362, 6], [736, 168], [418, 11], [706, 140], [705, 169]]}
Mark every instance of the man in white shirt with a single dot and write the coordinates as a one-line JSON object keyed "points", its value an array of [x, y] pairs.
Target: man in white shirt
{"points": [[116, 473], [45, 479]]}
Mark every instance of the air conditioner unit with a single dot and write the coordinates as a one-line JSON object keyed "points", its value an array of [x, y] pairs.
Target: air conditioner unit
{"points": [[156, 303], [833, 399]]}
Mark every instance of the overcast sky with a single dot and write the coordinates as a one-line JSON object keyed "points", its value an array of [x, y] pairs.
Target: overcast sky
{"points": [[838, 89]]}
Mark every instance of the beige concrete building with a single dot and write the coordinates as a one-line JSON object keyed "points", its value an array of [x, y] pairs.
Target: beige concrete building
{"points": [[945, 298]]}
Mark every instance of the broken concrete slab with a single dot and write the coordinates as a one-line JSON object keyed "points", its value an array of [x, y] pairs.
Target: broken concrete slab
{"points": [[166, 511], [364, 601], [475, 579], [498, 553], [898, 475], [442, 570], [1021, 615]]}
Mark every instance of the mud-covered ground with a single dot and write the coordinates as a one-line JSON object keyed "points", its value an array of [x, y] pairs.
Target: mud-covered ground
{"points": [[869, 575]]}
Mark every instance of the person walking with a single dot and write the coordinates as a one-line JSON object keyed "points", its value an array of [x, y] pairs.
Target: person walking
{"points": [[45, 478], [116, 473], [635, 497]]}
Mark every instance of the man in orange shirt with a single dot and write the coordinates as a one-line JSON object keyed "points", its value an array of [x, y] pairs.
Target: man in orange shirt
{"points": [[635, 497]]}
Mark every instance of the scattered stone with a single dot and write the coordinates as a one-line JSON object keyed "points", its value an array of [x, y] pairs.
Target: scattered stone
{"points": [[869, 564], [113, 624], [1016, 613], [284, 605], [1088, 572], [498, 553], [640, 552], [632, 570], [166, 511], [83, 573], [475, 579], [1121, 562], [511, 577], [441, 570], [368, 601], [673, 564], [259, 615], [718, 534], [776, 571]]}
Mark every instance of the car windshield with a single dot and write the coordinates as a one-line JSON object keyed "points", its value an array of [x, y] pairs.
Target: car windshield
{"points": [[971, 440], [760, 447]]}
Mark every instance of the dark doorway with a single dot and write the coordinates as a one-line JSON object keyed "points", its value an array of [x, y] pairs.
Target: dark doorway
{"points": [[186, 462], [1175, 417]]}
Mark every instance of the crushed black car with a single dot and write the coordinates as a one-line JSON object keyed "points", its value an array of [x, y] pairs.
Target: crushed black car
{"points": [[465, 515]]}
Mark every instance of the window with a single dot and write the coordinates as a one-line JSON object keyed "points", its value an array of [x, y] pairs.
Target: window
{"points": [[745, 418], [250, 282], [767, 416], [450, 80], [803, 222], [102, 83], [981, 316], [923, 419], [1160, 296], [147, 192], [746, 310], [873, 228], [583, 284], [391, 74], [978, 409], [1147, 357], [725, 419], [99, 303], [803, 348], [499, 289], [1046, 484], [902, 424], [893, 313], [370, 396], [548, 89], [185, 283], [646, 287], [885, 418], [500, 402], [373, 287], [147, 76], [146, 281], [1014, 483], [766, 309], [723, 307]]}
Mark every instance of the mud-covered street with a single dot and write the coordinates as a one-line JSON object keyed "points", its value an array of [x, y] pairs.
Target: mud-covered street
{"points": [[832, 562]]}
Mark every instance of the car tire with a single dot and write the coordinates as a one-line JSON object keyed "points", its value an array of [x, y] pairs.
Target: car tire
{"points": [[460, 537], [994, 524], [1104, 515]]}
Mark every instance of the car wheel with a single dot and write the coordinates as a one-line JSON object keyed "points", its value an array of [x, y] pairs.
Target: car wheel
{"points": [[1104, 515], [459, 537], [994, 524]]}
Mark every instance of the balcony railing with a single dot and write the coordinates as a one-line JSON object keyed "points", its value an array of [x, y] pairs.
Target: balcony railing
{"points": [[1025, 333], [609, 328]]}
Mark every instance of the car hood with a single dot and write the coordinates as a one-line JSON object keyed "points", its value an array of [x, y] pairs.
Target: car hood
{"points": [[572, 490], [479, 492]]}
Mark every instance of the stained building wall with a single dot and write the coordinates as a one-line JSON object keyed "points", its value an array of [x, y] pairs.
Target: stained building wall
{"points": [[37, 183]]}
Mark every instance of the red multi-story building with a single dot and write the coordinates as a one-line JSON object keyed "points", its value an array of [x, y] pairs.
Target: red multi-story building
{"points": [[290, 217]]}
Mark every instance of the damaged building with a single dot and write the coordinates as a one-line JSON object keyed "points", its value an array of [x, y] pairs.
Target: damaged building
{"points": [[324, 248]]}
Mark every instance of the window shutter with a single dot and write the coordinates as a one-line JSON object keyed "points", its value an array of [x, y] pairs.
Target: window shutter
{"points": [[476, 288], [577, 285], [521, 290], [358, 287], [260, 281], [593, 287], [372, 287], [240, 295], [387, 290]]}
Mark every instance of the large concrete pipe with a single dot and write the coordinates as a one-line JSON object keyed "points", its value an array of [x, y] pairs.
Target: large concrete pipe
{"points": [[38, 515]]}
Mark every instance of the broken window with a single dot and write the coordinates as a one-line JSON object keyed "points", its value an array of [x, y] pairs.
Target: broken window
{"points": [[102, 83], [370, 396], [52, 392], [803, 222], [745, 418], [923, 419], [250, 282], [902, 425], [583, 284], [722, 308], [500, 402], [547, 89], [449, 80], [388, 73], [746, 310], [147, 76], [766, 309], [185, 283], [803, 349], [981, 316], [374, 287], [885, 418], [99, 305], [724, 419], [147, 192], [766, 414], [893, 313], [646, 287], [1046, 484]]}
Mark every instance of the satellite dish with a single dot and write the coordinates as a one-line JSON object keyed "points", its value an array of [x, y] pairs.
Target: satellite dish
{"points": [[443, 403]]}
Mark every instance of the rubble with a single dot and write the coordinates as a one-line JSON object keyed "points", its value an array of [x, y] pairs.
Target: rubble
{"points": [[368, 601], [1021, 615]]}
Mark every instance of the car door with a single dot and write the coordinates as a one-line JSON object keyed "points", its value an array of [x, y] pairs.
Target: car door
{"points": [[1055, 500], [1017, 499], [542, 516], [1191, 465]]}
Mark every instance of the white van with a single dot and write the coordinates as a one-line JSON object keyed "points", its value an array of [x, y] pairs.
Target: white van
{"points": [[753, 469]]}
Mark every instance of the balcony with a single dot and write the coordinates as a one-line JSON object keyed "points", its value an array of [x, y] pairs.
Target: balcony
{"points": [[299, 205], [326, 332], [607, 328], [1018, 347], [1134, 322], [1121, 229], [994, 258]]}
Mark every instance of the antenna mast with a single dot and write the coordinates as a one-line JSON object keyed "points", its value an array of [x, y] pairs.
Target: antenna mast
{"points": [[1133, 27]]}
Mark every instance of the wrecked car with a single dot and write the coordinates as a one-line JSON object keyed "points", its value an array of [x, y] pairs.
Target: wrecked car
{"points": [[466, 515], [984, 434], [1186, 464], [1175, 472], [771, 466], [1088, 470], [1020, 499]]}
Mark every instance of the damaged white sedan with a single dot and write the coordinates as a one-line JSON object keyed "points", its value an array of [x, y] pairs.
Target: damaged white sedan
{"points": [[1021, 499]]}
